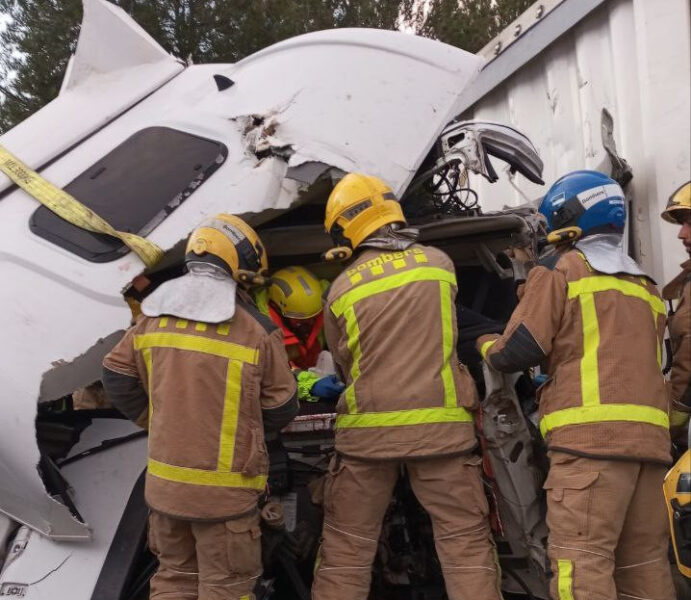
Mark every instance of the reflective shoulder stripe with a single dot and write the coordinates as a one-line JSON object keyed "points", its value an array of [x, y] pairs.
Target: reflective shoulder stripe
{"points": [[203, 477], [603, 283], [565, 579], [184, 341], [485, 347], [391, 282], [600, 413], [417, 416]]}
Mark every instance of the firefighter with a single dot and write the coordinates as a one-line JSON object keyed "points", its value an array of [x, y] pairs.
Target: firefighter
{"points": [[596, 321], [678, 293], [209, 374], [293, 300], [390, 323]]}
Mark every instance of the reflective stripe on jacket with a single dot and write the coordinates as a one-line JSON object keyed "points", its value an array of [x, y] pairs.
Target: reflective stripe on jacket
{"points": [[207, 387], [678, 292], [601, 339], [390, 323]]}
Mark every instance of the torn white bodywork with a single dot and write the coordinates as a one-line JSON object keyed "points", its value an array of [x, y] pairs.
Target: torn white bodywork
{"points": [[366, 100]]}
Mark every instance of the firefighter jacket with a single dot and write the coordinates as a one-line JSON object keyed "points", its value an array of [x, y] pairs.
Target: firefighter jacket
{"points": [[678, 292], [601, 339], [390, 323], [211, 391]]}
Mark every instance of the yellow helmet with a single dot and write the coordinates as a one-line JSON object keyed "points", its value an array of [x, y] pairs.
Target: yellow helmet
{"points": [[226, 241], [678, 205], [296, 293], [677, 490], [358, 206]]}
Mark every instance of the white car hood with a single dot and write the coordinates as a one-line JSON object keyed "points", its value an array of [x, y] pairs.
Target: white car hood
{"points": [[348, 99]]}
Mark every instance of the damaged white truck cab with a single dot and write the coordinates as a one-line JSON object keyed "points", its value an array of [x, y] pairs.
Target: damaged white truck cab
{"points": [[154, 146]]}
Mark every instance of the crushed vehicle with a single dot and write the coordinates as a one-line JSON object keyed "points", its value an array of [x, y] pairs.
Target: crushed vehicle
{"points": [[153, 146]]}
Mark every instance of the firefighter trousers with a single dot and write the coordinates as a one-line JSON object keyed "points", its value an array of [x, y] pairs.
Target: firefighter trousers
{"points": [[608, 530], [205, 560], [356, 497]]}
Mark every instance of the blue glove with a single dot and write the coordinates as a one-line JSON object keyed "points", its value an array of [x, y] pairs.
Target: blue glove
{"points": [[538, 380], [328, 388]]}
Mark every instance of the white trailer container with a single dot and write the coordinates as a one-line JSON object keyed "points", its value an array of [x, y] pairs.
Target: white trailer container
{"points": [[551, 74]]}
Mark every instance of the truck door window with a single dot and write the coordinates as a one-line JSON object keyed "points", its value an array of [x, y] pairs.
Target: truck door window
{"points": [[134, 187]]}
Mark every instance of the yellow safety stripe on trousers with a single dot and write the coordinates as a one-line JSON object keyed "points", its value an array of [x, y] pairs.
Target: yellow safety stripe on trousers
{"points": [[204, 477], [194, 343], [397, 418], [565, 579], [69, 208], [601, 413]]}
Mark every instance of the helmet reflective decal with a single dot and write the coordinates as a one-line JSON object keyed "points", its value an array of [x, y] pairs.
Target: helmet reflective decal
{"points": [[558, 201], [305, 285], [353, 212], [235, 235], [597, 194]]}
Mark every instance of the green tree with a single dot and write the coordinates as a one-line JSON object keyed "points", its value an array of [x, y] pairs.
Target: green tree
{"points": [[42, 34], [34, 49], [468, 24], [36, 44]]}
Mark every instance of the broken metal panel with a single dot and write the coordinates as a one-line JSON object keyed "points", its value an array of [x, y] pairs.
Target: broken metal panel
{"points": [[46, 319], [102, 484], [628, 57], [509, 448], [324, 97], [84, 370]]}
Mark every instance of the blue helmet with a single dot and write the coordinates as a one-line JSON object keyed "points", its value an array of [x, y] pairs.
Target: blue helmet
{"points": [[588, 200]]}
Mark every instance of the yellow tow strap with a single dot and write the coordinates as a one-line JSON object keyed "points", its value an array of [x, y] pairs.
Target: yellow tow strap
{"points": [[70, 209]]}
